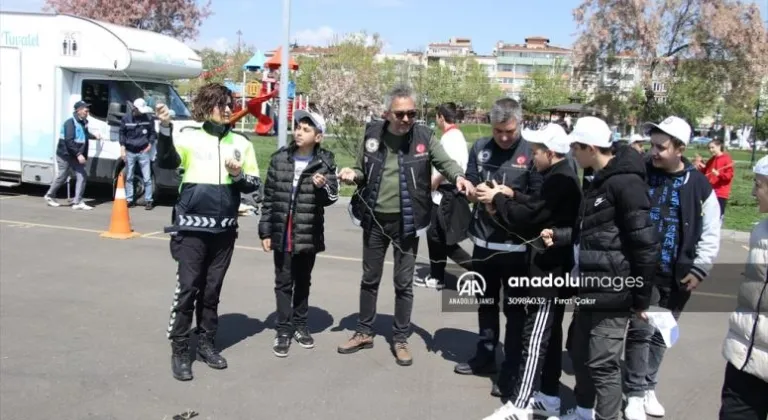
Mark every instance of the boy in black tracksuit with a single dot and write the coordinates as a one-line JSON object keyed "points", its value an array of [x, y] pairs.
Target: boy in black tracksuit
{"points": [[617, 255], [556, 205], [301, 182]]}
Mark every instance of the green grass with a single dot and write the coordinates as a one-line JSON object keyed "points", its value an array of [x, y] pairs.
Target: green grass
{"points": [[741, 213]]}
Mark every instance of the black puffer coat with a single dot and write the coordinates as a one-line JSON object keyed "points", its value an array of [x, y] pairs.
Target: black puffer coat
{"points": [[308, 203], [617, 241]]}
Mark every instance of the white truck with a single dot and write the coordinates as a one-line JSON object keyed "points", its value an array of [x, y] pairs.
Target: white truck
{"points": [[50, 61]]}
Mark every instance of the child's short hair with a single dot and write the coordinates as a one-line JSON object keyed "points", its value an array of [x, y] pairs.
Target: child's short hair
{"points": [[308, 121], [544, 148]]}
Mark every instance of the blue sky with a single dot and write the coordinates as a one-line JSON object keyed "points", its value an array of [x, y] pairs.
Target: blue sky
{"points": [[402, 24]]}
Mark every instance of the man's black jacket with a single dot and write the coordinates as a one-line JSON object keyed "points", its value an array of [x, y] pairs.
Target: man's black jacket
{"points": [[308, 203], [618, 247], [555, 206]]}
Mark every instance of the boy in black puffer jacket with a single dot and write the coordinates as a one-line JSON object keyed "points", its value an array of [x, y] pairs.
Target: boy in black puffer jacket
{"points": [[301, 182], [618, 251]]}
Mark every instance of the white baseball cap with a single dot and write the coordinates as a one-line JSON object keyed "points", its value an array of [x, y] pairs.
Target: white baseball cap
{"points": [[761, 167], [141, 106], [637, 138], [552, 136], [591, 131], [316, 118], [674, 126]]}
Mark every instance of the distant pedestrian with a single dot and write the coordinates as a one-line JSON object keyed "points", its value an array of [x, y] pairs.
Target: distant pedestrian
{"points": [[71, 156]]}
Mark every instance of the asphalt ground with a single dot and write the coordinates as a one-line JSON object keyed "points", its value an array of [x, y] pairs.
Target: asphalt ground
{"points": [[83, 319]]}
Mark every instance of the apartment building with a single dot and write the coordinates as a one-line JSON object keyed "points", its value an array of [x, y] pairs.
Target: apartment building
{"points": [[437, 52], [515, 62]]}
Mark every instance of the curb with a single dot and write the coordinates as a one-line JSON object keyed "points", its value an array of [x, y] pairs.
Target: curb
{"points": [[734, 236]]}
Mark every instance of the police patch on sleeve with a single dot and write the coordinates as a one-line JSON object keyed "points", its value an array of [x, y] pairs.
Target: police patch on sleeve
{"points": [[484, 156], [372, 145]]}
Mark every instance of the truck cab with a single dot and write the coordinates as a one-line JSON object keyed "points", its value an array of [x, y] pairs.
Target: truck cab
{"points": [[50, 61]]}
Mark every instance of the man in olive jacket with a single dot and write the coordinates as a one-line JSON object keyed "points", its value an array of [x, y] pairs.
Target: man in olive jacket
{"points": [[393, 205]]}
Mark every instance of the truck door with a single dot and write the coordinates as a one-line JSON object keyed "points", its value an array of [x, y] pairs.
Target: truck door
{"points": [[10, 117]]}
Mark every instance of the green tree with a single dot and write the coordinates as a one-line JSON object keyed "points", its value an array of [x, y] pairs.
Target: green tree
{"points": [[692, 93], [546, 87], [347, 88]]}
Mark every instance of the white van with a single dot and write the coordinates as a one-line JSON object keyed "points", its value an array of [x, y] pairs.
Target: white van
{"points": [[50, 61]]}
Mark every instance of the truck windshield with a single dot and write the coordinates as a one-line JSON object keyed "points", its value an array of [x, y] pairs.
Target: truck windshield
{"points": [[153, 93]]}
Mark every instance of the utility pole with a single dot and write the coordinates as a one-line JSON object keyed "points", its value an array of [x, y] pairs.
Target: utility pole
{"points": [[239, 35]]}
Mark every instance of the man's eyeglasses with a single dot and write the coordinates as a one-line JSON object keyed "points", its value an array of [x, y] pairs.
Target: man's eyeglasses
{"points": [[401, 114]]}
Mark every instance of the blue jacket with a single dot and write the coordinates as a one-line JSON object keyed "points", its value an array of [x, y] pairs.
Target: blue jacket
{"points": [[137, 132], [73, 138]]}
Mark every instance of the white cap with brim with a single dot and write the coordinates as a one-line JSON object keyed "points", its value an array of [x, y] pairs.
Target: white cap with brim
{"points": [[761, 167], [673, 126], [141, 106], [316, 118], [635, 138], [552, 136], [591, 131]]}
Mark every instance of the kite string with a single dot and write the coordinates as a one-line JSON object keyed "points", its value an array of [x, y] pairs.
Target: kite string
{"points": [[397, 246]]}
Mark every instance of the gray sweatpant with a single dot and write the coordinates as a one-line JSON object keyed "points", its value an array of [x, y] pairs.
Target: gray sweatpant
{"points": [[597, 342], [67, 166]]}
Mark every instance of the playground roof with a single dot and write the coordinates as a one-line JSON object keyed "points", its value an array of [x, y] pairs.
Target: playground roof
{"points": [[275, 61], [256, 62]]}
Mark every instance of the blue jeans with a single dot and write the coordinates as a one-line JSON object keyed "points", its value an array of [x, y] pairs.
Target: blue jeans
{"points": [[145, 163]]}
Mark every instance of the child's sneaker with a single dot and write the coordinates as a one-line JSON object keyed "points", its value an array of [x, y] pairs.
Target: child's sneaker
{"points": [[304, 338], [545, 405], [282, 344], [81, 206]]}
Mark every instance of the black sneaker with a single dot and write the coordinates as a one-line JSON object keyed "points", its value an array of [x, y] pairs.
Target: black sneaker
{"points": [[149, 206], [282, 344], [304, 338], [131, 204]]}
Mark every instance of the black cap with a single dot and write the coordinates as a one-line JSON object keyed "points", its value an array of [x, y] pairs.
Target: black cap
{"points": [[81, 104]]}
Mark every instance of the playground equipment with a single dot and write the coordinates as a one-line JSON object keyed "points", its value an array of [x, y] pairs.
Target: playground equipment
{"points": [[262, 104]]}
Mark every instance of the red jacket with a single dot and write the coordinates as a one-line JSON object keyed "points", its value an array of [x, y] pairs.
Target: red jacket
{"points": [[721, 182]]}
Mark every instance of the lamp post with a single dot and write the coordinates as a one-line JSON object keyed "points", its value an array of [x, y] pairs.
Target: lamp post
{"points": [[758, 114], [282, 128]]}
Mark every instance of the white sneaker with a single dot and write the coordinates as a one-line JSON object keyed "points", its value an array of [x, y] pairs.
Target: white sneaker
{"points": [[432, 283], [51, 202], [635, 409], [577, 413], [81, 206], [652, 405], [545, 405], [508, 411]]}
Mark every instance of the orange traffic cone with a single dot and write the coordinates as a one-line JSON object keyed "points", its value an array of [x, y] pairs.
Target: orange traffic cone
{"points": [[120, 226]]}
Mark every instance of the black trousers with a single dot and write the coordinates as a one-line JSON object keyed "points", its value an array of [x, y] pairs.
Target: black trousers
{"points": [[439, 252], [596, 345], [533, 342], [723, 203], [376, 241], [203, 260], [553, 359], [293, 275], [497, 267], [744, 396]]}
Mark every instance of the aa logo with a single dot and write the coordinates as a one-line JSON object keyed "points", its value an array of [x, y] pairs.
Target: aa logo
{"points": [[471, 284]]}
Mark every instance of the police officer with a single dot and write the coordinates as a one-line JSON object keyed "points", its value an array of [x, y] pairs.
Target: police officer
{"points": [[499, 252], [219, 165], [393, 205]]}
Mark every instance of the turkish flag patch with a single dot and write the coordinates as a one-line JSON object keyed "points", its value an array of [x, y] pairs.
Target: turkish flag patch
{"points": [[420, 148], [520, 160]]}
